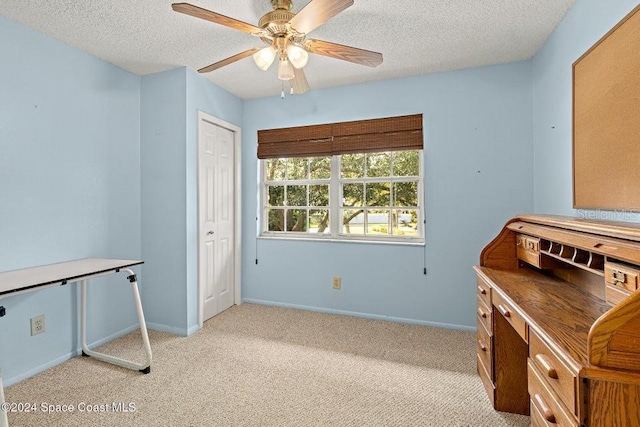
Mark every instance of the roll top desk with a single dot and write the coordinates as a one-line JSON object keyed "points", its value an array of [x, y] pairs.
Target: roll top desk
{"points": [[559, 321]]}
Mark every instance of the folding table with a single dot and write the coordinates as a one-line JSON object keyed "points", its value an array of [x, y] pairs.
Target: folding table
{"points": [[36, 278]]}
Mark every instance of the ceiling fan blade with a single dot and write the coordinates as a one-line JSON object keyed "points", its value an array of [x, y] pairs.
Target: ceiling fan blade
{"points": [[229, 60], [299, 82], [198, 12], [316, 13], [346, 53]]}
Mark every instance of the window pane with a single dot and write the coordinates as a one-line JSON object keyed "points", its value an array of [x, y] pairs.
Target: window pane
{"points": [[405, 194], [405, 222], [296, 195], [297, 168], [275, 169], [378, 165], [378, 222], [276, 220], [276, 195], [378, 194], [296, 220], [406, 163], [318, 195], [320, 167], [352, 165], [353, 221], [319, 221], [352, 194]]}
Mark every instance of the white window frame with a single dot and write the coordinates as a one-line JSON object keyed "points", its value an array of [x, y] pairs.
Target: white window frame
{"points": [[335, 206]]}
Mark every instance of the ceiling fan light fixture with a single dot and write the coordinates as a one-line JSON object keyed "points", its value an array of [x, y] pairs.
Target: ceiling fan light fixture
{"points": [[264, 57], [285, 70], [285, 34], [297, 55]]}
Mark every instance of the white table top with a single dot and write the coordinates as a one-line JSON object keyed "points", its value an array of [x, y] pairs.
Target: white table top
{"points": [[67, 272]]}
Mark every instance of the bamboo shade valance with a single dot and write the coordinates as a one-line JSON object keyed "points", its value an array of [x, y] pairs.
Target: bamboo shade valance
{"points": [[363, 136]]}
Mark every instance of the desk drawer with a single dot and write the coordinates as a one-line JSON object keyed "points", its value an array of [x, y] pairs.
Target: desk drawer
{"points": [[620, 276], [537, 417], [528, 249], [554, 372], [484, 291], [514, 319], [485, 348], [544, 402], [484, 315], [614, 295], [487, 382]]}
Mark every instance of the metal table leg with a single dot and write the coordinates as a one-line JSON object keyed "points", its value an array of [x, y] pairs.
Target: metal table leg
{"points": [[142, 367]]}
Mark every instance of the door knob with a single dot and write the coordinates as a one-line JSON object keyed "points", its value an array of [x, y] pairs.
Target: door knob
{"points": [[211, 233]]}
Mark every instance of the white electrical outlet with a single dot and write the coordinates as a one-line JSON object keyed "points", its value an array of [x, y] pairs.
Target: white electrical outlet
{"points": [[337, 282], [37, 325]]}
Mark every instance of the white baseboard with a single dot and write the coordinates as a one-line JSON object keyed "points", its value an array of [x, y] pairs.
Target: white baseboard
{"points": [[169, 329], [364, 315], [50, 364], [192, 330]]}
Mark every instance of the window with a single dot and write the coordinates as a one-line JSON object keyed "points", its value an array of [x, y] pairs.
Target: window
{"points": [[379, 194], [297, 195], [357, 191]]}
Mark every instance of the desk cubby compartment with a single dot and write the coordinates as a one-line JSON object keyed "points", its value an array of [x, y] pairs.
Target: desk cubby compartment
{"points": [[596, 262], [570, 255], [553, 248]]}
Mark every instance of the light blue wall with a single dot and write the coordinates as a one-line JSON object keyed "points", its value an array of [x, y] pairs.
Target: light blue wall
{"points": [[583, 26], [478, 174], [69, 188], [169, 135], [164, 195]]}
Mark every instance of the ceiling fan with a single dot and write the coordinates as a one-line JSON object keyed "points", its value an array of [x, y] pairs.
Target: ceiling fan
{"points": [[285, 33]]}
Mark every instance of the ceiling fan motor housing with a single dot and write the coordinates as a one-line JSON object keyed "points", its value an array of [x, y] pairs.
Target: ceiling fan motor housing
{"points": [[276, 23], [281, 4]]}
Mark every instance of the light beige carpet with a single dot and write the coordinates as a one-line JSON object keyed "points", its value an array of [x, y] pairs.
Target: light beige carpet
{"points": [[265, 366]]}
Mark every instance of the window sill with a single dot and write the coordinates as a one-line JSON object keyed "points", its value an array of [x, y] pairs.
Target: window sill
{"points": [[417, 243]]}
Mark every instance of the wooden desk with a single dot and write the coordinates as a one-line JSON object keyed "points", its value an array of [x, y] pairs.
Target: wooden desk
{"points": [[46, 276], [559, 321]]}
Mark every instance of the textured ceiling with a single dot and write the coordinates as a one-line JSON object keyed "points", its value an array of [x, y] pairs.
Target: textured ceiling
{"points": [[415, 36]]}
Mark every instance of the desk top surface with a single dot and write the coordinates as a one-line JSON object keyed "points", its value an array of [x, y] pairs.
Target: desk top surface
{"points": [[70, 271], [559, 310]]}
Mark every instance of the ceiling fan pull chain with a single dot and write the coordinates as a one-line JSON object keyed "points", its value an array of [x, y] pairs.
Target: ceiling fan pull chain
{"points": [[282, 93]]}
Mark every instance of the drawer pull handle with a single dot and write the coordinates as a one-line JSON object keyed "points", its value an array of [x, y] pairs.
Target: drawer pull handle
{"points": [[547, 366], [482, 346], [547, 413], [618, 277], [482, 290], [481, 313], [504, 311]]}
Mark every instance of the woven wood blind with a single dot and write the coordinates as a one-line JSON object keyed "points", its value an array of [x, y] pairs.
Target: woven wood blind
{"points": [[363, 136]]}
